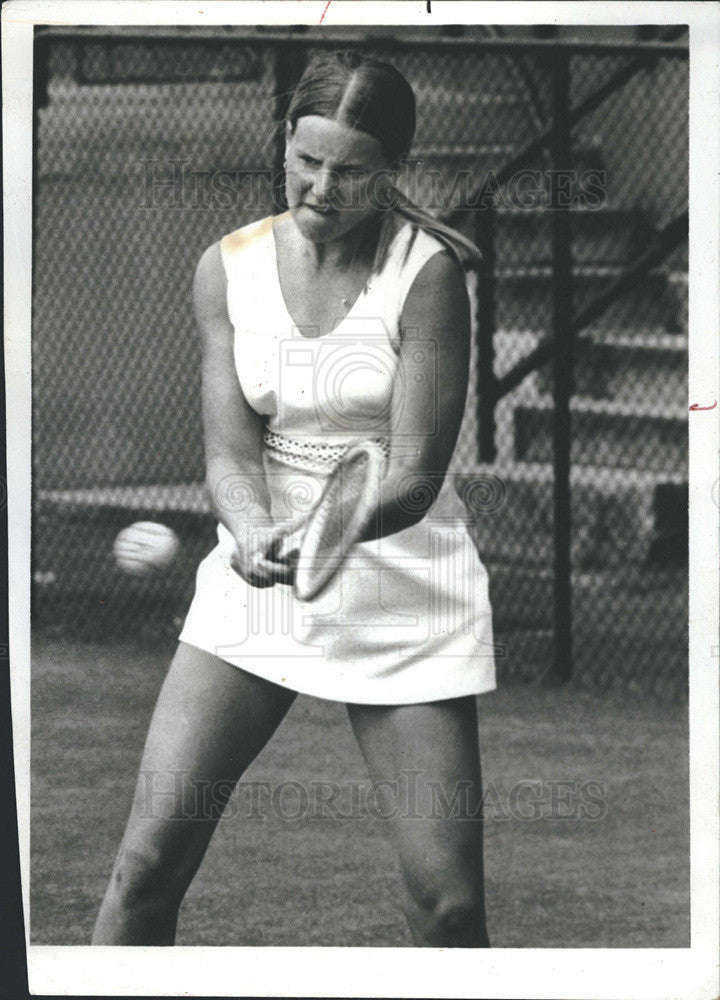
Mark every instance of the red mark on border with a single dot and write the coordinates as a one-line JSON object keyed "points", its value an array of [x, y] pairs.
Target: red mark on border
{"points": [[325, 11], [696, 406]]}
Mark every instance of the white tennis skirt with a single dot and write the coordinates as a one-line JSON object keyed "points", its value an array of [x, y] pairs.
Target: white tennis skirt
{"points": [[406, 620]]}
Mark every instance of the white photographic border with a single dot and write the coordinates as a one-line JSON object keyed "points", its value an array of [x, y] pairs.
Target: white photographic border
{"points": [[626, 974]]}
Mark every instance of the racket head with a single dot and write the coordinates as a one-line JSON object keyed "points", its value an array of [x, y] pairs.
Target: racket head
{"points": [[348, 502]]}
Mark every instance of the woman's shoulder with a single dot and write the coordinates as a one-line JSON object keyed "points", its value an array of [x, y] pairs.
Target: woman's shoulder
{"points": [[232, 245], [422, 255], [241, 242], [233, 266], [414, 246], [425, 243]]}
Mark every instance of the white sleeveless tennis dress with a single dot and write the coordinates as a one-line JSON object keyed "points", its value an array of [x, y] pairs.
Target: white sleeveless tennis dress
{"points": [[407, 618]]}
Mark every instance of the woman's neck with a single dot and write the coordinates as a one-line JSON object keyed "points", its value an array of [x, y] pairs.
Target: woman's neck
{"points": [[352, 248]]}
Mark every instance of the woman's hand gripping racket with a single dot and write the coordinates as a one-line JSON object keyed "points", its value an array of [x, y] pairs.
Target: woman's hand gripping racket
{"points": [[324, 539]]}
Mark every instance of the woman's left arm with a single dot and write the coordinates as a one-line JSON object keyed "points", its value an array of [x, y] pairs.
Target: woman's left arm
{"points": [[429, 394]]}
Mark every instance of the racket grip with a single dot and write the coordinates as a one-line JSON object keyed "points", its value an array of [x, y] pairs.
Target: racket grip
{"points": [[288, 544]]}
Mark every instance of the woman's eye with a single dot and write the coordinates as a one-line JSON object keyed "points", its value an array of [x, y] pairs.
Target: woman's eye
{"points": [[352, 173]]}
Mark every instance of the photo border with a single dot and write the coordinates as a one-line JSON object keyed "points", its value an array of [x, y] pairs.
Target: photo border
{"points": [[682, 973]]}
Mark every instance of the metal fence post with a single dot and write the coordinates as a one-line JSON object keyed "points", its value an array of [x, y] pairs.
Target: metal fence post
{"points": [[562, 305], [484, 226]]}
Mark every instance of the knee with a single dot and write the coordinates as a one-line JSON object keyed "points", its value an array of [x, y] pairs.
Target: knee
{"points": [[145, 876], [445, 897]]}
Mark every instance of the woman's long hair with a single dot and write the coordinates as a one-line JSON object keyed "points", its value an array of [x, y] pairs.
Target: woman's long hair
{"points": [[374, 97]]}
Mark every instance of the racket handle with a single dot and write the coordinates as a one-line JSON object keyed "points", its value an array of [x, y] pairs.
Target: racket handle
{"points": [[289, 543]]}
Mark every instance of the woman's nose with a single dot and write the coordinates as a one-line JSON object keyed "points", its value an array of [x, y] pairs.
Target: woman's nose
{"points": [[322, 184]]}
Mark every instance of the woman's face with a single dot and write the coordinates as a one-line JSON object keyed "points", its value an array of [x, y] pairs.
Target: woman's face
{"points": [[335, 177]]}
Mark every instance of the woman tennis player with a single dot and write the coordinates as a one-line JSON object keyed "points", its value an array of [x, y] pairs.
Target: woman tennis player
{"points": [[344, 319]]}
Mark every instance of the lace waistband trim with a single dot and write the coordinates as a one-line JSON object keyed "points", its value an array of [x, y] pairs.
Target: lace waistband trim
{"points": [[312, 456]]}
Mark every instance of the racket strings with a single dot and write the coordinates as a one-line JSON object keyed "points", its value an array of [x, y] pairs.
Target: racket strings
{"points": [[337, 515], [345, 509]]}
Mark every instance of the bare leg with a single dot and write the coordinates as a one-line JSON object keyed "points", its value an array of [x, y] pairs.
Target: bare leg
{"points": [[210, 722], [426, 756]]}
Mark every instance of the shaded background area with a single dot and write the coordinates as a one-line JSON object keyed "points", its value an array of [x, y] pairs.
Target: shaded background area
{"points": [[148, 149]]}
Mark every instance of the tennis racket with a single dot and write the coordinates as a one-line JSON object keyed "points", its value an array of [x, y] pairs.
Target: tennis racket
{"points": [[348, 500]]}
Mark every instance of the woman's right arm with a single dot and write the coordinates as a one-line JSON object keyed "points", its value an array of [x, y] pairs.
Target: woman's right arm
{"points": [[233, 435]]}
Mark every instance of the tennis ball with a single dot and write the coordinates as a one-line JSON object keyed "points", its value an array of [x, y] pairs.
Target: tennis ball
{"points": [[145, 547]]}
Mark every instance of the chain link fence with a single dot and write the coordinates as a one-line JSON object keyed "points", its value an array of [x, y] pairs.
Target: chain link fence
{"points": [[149, 148]]}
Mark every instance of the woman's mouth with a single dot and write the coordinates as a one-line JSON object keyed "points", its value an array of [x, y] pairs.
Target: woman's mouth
{"points": [[324, 210]]}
